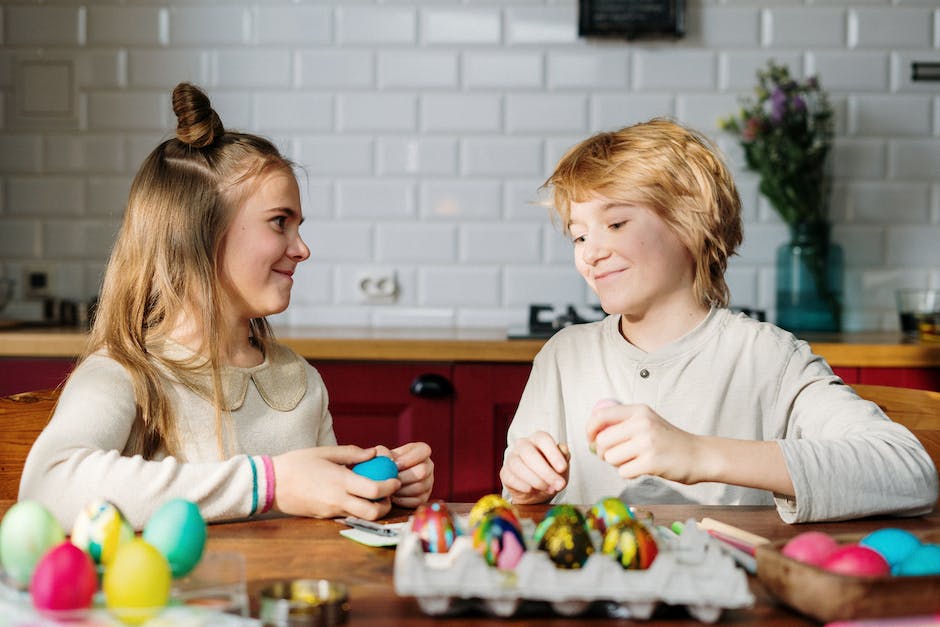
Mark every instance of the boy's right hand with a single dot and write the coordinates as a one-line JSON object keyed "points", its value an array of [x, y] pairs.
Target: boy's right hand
{"points": [[536, 469], [318, 482]]}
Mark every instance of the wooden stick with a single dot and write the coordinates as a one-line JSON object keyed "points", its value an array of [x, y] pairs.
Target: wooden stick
{"points": [[710, 524]]}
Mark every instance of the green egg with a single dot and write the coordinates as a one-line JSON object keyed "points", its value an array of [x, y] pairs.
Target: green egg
{"points": [[178, 531], [28, 530]]}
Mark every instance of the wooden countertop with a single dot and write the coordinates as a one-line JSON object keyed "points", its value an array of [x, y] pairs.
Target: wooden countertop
{"points": [[864, 349]]}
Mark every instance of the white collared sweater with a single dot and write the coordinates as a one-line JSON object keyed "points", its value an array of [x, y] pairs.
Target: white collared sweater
{"points": [[275, 407]]}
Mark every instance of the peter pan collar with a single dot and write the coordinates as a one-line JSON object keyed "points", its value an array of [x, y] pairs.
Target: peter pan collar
{"points": [[281, 379]]}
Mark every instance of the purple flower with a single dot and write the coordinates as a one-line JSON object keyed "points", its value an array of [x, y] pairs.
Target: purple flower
{"points": [[797, 104], [778, 101]]}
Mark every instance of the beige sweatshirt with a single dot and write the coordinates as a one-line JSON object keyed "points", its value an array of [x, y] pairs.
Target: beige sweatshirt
{"points": [[732, 377]]}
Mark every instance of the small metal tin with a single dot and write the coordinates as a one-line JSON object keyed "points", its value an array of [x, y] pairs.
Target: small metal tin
{"points": [[304, 603]]}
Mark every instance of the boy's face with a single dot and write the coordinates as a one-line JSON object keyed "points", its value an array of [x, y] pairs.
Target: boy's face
{"points": [[629, 257], [262, 246]]}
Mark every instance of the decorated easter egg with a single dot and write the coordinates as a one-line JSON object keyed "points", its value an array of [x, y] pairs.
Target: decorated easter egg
{"points": [[923, 560], [856, 560], [810, 547], [490, 503], [561, 512], [435, 527], [28, 530], [178, 531], [379, 468], [499, 540], [567, 544], [893, 544], [137, 582], [65, 579], [99, 529], [606, 513], [631, 544]]}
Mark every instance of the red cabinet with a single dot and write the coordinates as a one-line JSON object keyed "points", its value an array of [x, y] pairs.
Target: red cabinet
{"points": [[25, 374]]}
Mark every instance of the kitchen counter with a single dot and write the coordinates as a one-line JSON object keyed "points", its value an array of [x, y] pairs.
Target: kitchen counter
{"points": [[861, 350]]}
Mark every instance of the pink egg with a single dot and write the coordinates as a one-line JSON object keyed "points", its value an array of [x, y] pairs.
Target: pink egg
{"points": [[857, 561], [64, 580], [810, 547], [605, 402]]}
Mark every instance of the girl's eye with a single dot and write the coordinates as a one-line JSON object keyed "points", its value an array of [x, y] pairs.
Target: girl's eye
{"points": [[616, 225], [280, 221], [577, 239]]}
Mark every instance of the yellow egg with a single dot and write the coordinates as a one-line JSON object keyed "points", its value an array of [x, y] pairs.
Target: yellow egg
{"points": [[137, 582]]}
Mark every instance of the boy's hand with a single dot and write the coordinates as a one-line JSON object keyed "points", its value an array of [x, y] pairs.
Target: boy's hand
{"points": [[536, 469], [638, 441], [336, 490], [415, 471]]}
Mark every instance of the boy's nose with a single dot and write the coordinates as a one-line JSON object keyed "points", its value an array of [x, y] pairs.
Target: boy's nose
{"points": [[299, 250], [593, 251]]}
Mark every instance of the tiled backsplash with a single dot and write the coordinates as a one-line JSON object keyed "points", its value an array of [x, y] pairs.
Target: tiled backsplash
{"points": [[426, 127]]}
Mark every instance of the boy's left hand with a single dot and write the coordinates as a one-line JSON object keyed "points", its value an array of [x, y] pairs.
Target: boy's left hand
{"points": [[638, 441], [415, 471]]}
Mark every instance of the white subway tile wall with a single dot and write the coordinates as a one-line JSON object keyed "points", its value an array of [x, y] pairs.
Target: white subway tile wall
{"points": [[424, 129]]}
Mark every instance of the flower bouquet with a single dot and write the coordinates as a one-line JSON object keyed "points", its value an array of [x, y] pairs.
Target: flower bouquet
{"points": [[786, 132]]}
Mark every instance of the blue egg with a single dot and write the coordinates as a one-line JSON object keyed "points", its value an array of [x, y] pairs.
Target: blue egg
{"points": [[892, 544], [924, 560], [378, 468]]}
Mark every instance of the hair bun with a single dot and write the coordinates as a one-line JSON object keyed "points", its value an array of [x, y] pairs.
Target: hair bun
{"points": [[197, 123]]}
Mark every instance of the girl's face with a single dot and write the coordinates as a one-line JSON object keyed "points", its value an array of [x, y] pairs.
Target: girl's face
{"points": [[262, 246], [630, 257]]}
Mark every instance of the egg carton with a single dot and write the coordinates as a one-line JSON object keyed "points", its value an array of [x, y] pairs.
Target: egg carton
{"points": [[690, 570]]}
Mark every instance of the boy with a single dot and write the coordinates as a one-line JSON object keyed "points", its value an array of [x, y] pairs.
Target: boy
{"points": [[672, 398]]}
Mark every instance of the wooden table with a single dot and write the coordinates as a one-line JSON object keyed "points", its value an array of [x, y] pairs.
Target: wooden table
{"points": [[293, 548]]}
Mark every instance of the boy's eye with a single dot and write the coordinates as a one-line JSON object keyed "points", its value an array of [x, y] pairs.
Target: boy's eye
{"points": [[280, 221], [577, 239], [616, 225]]}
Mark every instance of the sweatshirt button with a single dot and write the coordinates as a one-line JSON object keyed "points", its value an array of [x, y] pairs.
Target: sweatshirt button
{"points": [[645, 373]]}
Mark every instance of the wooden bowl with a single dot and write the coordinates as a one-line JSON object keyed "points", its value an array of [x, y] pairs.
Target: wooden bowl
{"points": [[828, 596]]}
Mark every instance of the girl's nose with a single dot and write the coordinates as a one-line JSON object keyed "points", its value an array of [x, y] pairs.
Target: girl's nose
{"points": [[298, 250], [593, 251]]}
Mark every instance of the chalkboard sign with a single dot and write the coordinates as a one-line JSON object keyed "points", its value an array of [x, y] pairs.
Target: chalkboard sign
{"points": [[631, 18]]}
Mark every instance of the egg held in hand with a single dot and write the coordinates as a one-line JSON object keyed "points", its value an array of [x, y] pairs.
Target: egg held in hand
{"points": [[137, 582], [178, 531], [379, 468], [28, 530], [65, 580]]}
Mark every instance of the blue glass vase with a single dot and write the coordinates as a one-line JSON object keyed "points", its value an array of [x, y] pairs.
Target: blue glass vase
{"points": [[809, 280]]}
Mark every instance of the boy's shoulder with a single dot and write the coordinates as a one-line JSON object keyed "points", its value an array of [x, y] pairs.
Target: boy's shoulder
{"points": [[759, 333]]}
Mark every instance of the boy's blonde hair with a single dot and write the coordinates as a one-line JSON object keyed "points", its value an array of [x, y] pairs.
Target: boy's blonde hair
{"points": [[672, 170], [165, 262]]}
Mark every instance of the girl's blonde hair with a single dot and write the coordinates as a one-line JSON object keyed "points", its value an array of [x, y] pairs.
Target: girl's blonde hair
{"points": [[165, 262], [672, 170]]}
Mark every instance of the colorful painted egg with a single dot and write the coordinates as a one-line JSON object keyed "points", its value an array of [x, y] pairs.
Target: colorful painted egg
{"points": [[99, 529], [379, 468], [631, 544], [567, 544], [435, 527], [28, 530], [924, 560], [562, 512], [499, 540], [178, 531], [490, 503], [65, 580], [893, 544], [137, 582], [606, 513]]}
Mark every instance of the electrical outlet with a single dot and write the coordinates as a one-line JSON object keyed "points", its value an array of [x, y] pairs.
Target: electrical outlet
{"points": [[377, 286], [37, 281]]}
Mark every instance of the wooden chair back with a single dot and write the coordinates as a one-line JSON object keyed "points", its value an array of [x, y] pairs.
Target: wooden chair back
{"points": [[22, 417], [918, 410]]}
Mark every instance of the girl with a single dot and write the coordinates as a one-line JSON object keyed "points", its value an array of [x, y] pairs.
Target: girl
{"points": [[182, 390], [672, 398]]}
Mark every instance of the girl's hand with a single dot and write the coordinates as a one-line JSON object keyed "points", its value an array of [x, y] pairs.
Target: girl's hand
{"points": [[638, 441], [318, 482], [536, 469], [416, 473]]}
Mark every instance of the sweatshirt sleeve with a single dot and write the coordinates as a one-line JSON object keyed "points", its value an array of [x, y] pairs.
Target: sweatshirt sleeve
{"points": [[846, 458], [79, 457]]}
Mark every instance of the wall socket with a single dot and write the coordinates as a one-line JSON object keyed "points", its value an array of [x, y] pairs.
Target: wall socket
{"points": [[37, 281], [376, 286]]}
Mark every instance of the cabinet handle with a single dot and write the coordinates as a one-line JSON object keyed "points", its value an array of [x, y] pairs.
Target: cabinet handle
{"points": [[431, 385]]}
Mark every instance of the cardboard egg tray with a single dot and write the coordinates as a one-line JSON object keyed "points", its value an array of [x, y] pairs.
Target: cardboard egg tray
{"points": [[690, 570]]}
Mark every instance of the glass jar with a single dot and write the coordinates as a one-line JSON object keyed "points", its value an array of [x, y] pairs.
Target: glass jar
{"points": [[809, 280]]}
